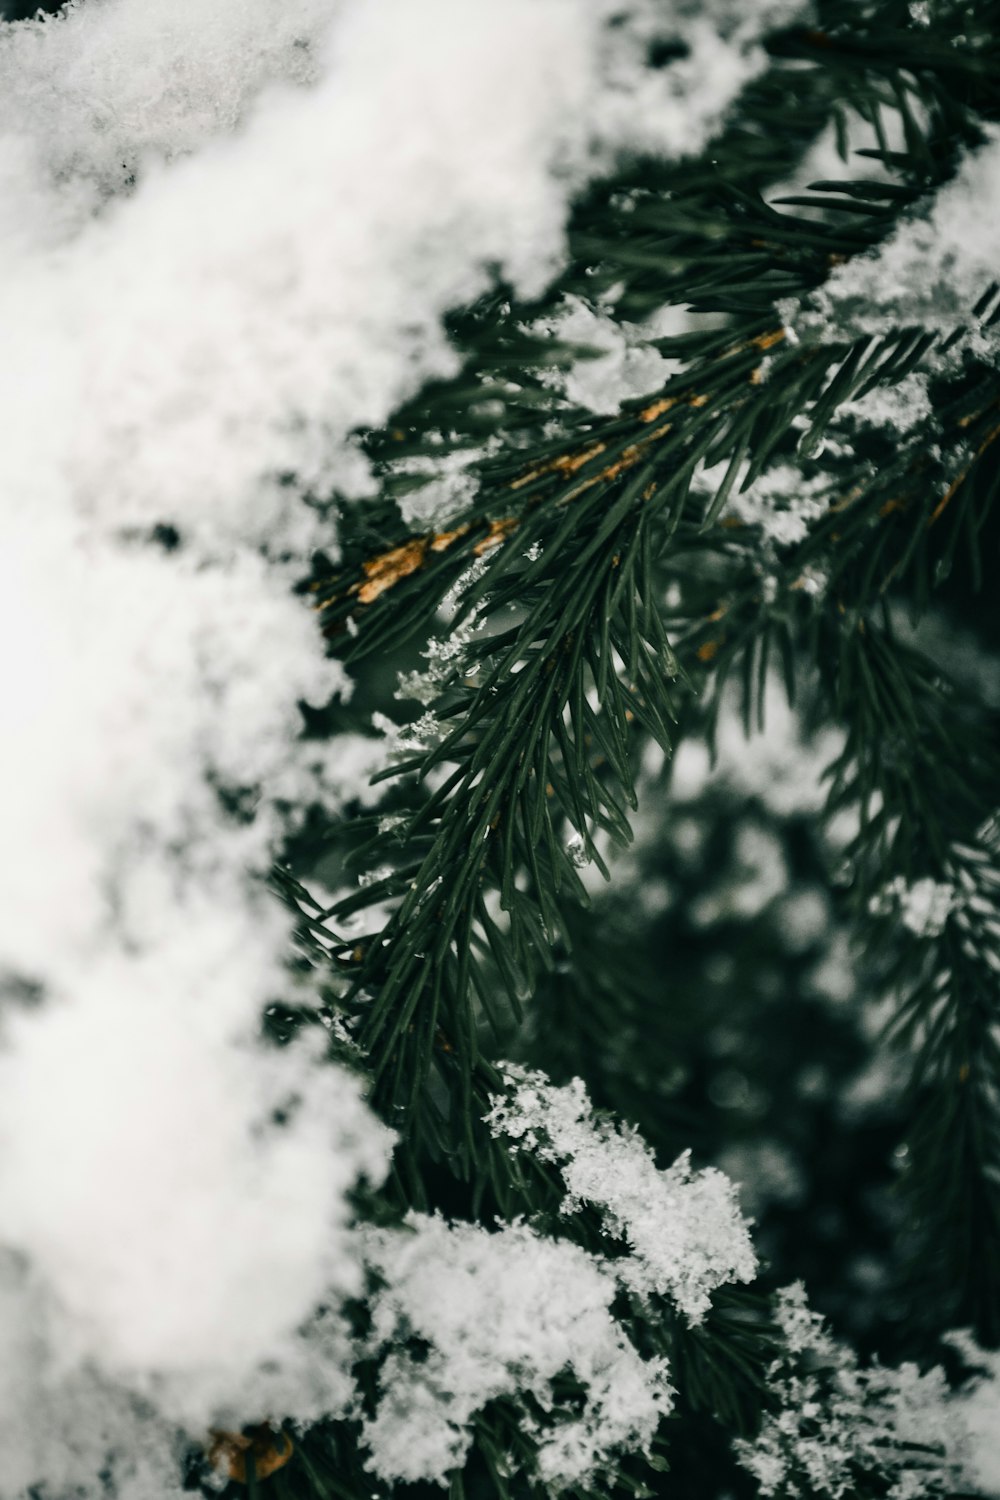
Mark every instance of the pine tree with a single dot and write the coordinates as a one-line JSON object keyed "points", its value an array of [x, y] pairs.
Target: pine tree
{"points": [[641, 874]]}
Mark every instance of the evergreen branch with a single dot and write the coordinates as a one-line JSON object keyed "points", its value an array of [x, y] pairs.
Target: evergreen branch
{"points": [[924, 768], [565, 654], [575, 508], [521, 749], [649, 237], [921, 765], [534, 736]]}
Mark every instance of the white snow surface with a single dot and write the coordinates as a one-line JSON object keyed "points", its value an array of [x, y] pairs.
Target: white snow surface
{"points": [[103, 87], [227, 239]]}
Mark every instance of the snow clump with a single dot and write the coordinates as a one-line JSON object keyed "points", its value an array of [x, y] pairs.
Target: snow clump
{"points": [[835, 1421], [502, 1314], [937, 271], [684, 1230]]}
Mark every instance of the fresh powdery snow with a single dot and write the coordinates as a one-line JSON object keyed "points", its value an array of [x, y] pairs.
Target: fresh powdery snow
{"points": [[834, 1420], [228, 235], [106, 88], [684, 1230], [930, 274], [978, 1408], [621, 363], [502, 1314]]}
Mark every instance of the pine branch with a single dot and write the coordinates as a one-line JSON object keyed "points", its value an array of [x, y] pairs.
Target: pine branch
{"points": [[599, 508], [521, 762], [557, 564]]}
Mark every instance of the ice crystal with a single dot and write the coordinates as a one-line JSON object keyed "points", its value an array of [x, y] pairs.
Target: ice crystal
{"points": [[683, 1229], [501, 1314], [406, 739], [444, 656], [836, 1420]]}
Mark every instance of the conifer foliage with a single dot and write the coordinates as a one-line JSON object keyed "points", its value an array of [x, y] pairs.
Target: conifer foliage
{"points": [[500, 968]]}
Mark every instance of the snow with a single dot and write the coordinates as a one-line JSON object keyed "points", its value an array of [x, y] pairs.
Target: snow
{"points": [[782, 502], [150, 682], [683, 1229], [442, 486], [929, 274], [502, 1314], [445, 655], [978, 1404], [969, 897], [59, 1423], [107, 88], [904, 407], [835, 1421], [924, 906], [623, 364]]}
